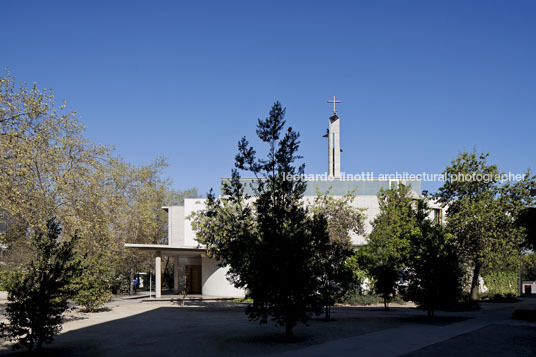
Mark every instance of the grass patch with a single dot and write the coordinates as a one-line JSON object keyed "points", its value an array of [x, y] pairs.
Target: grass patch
{"points": [[243, 300]]}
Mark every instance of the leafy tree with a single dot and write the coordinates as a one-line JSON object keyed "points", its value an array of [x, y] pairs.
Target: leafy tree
{"points": [[481, 214], [527, 220], [502, 283], [46, 161], [38, 292], [270, 244], [389, 239], [342, 216], [386, 279], [342, 219], [360, 263], [93, 283], [49, 168], [528, 267], [434, 269]]}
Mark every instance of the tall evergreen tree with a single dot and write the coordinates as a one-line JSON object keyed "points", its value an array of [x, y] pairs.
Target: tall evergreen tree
{"points": [[270, 244]]}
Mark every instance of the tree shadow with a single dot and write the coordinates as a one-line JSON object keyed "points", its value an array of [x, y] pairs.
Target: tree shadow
{"points": [[220, 328]]}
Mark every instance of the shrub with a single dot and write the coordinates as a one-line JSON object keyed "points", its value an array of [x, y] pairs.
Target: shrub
{"points": [[93, 285], [355, 297], [38, 291]]}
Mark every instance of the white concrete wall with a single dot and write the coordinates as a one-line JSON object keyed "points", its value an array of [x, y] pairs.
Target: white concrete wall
{"points": [[175, 226], [372, 209], [531, 283], [214, 281], [368, 202], [191, 205]]}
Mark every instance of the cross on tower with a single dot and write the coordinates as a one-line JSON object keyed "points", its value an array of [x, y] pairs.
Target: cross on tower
{"points": [[334, 101]]}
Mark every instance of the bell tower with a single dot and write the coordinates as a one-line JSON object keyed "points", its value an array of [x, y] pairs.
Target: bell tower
{"points": [[334, 143]]}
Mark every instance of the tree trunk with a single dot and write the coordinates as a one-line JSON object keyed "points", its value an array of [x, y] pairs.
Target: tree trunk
{"points": [[288, 330], [328, 313], [475, 282], [385, 303], [131, 288]]}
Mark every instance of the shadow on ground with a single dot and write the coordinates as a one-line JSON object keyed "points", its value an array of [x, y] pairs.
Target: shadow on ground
{"points": [[221, 329], [492, 340]]}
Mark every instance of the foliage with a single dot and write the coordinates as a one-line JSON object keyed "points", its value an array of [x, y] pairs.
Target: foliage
{"points": [[528, 266], [46, 162], [389, 240], [243, 300], [357, 297], [93, 284], [527, 220], [49, 167], [502, 283], [271, 244], [38, 292], [358, 263], [342, 219], [481, 213], [434, 269]]}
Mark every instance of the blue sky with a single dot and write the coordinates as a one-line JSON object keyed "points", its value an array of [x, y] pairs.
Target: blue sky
{"points": [[419, 80]]}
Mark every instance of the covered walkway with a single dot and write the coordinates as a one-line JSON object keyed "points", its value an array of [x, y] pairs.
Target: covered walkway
{"points": [[186, 266]]}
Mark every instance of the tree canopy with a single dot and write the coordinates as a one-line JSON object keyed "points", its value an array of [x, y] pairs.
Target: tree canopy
{"points": [[482, 212], [49, 168], [270, 242]]}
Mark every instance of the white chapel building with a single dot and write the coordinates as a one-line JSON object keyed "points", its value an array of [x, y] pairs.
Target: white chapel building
{"points": [[198, 274]]}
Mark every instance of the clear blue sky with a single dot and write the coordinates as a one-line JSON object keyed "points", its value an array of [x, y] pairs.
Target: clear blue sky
{"points": [[419, 80]]}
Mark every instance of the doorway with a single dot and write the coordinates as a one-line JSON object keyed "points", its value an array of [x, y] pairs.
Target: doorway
{"points": [[193, 279]]}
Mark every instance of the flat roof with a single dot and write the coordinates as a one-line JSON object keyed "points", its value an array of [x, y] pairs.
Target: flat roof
{"points": [[168, 250], [340, 187]]}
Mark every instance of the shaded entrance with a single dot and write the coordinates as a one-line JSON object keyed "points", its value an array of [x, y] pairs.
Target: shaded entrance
{"points": [[193, 279]]}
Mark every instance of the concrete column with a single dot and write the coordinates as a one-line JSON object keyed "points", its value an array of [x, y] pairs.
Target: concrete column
{"points": [[158, 274], [176, 275]]}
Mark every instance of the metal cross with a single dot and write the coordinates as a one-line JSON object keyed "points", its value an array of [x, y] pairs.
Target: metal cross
{"points": [[334, 101]]}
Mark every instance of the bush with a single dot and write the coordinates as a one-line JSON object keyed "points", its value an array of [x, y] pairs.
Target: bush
{"points": [[120, 284], [38, 292], [93, 285], [362, 299], [465, 303], [498, 298], [355, 297]]}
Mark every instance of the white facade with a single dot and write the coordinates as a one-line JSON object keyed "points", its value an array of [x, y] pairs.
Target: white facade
{"points": [[197, 273]]}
